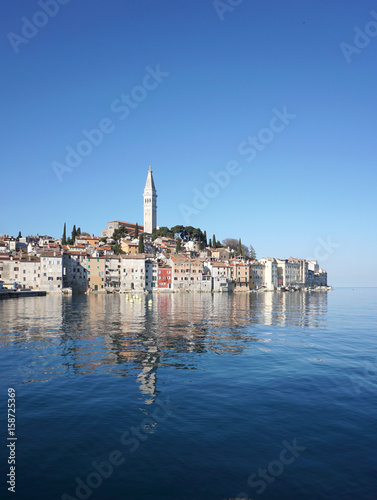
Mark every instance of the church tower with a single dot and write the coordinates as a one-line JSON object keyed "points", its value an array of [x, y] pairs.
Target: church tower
{"points": [[150, 204]]}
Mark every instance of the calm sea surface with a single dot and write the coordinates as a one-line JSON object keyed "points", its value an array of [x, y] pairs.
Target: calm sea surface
{"points": [[192, 396]]}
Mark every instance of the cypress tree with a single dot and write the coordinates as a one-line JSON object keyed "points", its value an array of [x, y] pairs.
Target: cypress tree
{"points": [[137, 231], [210, 243], [141, 244], [239, 247], [214, 242], [178, 245], [64, 237], [205, 238]]}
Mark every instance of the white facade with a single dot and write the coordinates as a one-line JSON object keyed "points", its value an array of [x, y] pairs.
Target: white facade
{"points": [[290, 272], [270, 273], [113, 264], [51, 273], [132, 273], [221, 275], [150, 204]]}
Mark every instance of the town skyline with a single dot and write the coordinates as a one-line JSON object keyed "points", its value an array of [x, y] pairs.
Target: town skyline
{"points": [[242, 131]]}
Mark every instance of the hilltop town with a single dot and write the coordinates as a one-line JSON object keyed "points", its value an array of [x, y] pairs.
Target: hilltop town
{"points": [[128, 257]]}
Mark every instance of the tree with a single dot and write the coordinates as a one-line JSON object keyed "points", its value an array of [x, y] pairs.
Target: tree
{"points": [[239, 250], [164, 231], [78, 231], [119, 233], [117, 248], [252, 253], [141, 244], [232, 243], [64, 237], [178, 245], [205, 238], [73, 234], [137, 232], [210, 243], [154, 234], [214, 241], [178, 231]]}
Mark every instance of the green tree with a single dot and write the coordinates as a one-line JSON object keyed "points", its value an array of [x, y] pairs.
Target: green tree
{"points": [[178, 231], [141, 244], [64, 237], [73, 234], [205, 238], [119, 233], [178, 245], [164, 231], [19, 236], [154, 234], [78, 231], [210, 243], [117, 248], [239, 251], [137, 231]]}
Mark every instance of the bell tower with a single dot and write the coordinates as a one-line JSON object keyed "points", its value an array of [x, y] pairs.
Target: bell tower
{"points": [[150, 204]]}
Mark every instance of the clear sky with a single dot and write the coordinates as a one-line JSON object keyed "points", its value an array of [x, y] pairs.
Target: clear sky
{"points": [[265, 88]]}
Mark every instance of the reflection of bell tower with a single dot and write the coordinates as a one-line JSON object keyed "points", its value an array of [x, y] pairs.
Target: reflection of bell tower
{"points": [[150, 204]]}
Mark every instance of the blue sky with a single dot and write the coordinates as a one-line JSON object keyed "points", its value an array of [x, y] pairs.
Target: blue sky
{"points": [[225, 72]]}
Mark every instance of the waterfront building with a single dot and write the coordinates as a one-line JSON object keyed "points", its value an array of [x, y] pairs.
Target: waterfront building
{"points": [[270, 273], [96, 273], [221, 275], [132, 272], [51, 270], [187, 274], [164, 277], [75, 274], [242, 276], [112, 272], [258, 270]]}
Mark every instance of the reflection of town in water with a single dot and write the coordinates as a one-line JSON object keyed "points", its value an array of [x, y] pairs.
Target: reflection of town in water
{"points": [[83, 334]]}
